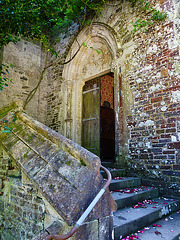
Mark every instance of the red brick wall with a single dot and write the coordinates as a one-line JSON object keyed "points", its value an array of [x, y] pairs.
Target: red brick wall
{"points": [[155, 120]]}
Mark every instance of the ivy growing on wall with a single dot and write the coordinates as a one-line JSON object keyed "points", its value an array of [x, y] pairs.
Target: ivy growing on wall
{"points": [[153, 15], [4, 79], [40, 20]]}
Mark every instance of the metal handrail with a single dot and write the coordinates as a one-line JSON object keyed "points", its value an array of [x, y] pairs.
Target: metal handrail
{"points": [[86, 213]]}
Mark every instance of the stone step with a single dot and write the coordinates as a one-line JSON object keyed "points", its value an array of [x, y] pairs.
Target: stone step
{"points": [[130, 196], [114, 172], [167, 229], [124, 183], [130, 220]]}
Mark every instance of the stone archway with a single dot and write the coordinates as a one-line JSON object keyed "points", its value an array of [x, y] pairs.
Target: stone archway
{"points": [[96, 57]]}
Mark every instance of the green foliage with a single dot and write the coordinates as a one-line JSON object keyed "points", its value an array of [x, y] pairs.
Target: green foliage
{"points": [[6, 130], [158, 16], [4, 70], [98, 51], [154, 15], [39, 19]]}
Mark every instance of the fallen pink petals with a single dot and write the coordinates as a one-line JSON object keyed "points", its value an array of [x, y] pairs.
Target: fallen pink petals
{"points": [[136, 206], [117, 178], [157, 233], [131, 237], [147, 228], [166, 219]]}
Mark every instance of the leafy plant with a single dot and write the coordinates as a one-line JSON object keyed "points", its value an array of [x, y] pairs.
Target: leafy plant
{"points": [[4, 69], [153, 15], [38, 19], [41, 20]]}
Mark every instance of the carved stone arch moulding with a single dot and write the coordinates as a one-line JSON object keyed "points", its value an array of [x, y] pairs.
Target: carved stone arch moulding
{"points": [[96, 50], [99, 37]]}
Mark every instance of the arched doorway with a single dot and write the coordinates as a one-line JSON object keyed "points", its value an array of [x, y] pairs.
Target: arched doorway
{"points": [[86, 76]]}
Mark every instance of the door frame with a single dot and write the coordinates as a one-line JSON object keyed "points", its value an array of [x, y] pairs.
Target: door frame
{"points": [[116, 106], [83, 68]]}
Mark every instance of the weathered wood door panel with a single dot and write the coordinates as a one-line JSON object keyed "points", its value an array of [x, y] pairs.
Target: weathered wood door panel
{"points": [[91, 116]]}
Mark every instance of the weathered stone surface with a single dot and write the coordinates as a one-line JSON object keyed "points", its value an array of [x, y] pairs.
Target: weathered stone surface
{"points": [[88, 230], [54, 228], [66, 177], [106, 228], [27, 58], [146, 98]]}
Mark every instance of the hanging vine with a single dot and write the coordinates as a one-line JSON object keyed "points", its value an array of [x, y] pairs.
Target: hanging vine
{"points": [[152, 15], [40, 20]]}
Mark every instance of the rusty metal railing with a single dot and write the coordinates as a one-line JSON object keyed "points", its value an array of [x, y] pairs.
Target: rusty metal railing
{"points": [[86, 213]]}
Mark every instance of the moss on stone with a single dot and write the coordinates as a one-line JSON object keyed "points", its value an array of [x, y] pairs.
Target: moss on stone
{"points": [[4, 111], [82, 162], [68, 163]]}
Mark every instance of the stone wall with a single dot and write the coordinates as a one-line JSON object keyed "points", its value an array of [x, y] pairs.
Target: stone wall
{"points": [[152, 72], [146, 81], [147, 63], [27, 59], [46, 180], [55, 100], [22, 211]]}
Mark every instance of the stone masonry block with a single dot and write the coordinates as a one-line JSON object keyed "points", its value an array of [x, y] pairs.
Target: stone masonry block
{"points": [[106, 228], [88, 231]]}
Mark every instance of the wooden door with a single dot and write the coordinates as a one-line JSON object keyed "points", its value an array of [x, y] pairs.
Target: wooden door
{"points": [[91, 116]]}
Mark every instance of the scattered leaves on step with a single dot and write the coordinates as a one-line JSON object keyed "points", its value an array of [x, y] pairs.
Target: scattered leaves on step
{"points": [[156, 225], [158, 233], [117, 178], [131, 237], [131, 190]]}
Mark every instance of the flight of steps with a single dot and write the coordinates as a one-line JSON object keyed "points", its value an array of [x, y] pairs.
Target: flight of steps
{"points": [[141, 212]]}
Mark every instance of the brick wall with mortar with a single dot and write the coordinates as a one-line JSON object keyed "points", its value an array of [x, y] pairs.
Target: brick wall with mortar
{"points": [[154, 121], [149, 104], [22, 211], [149, 81], [55, 98]]}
